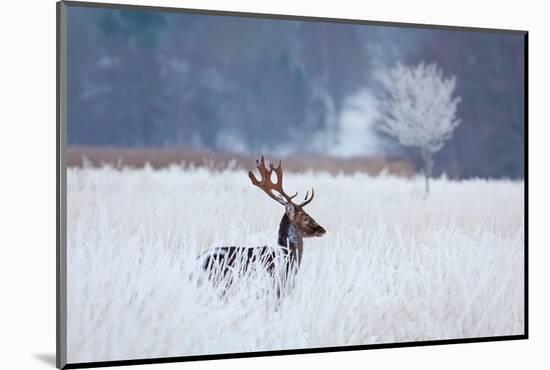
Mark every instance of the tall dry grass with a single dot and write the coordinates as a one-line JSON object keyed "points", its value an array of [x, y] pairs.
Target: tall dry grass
{"points": [[392, 267], [189, 158]]}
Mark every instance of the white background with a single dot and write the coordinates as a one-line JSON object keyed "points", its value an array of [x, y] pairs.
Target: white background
{"points": [[27, 272]]}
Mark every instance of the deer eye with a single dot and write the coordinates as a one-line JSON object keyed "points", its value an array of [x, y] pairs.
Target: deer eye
{"points": [[306, 219]]}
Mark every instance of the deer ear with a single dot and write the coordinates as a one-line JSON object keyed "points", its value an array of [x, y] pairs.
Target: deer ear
{"points": [[290, 211]]}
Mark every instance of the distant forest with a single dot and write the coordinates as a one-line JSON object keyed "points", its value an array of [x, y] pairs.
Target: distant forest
{"points": [[222, 83]]}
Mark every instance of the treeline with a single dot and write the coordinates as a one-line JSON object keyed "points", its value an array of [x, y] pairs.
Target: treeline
{"points": [[147, 79]]}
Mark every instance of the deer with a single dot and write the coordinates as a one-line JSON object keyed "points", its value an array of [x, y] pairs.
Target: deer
{"points": [[281, 262]]}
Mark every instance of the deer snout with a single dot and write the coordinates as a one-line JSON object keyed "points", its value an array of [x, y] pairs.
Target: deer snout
{"points": [[320, 231]]}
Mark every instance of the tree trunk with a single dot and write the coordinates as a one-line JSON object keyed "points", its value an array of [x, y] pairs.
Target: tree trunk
{"points": [[428, 166]]}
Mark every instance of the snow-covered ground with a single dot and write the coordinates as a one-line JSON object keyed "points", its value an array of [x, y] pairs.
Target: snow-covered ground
{"points": [[392, 266]]}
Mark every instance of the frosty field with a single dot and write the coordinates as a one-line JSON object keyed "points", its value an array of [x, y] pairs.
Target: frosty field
{"points": [[392, 267]]}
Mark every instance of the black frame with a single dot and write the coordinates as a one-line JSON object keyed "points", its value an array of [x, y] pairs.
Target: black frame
{"points": [[61, 194]]}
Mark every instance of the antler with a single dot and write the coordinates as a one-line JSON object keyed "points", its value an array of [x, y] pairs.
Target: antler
{"points": [[308, 200], [267, 185]]}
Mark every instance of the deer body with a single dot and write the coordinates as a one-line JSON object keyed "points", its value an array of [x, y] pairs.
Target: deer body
{"points": [[282, 261]]}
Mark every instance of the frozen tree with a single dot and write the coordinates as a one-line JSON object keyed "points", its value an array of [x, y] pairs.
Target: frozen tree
{"points": [[419, 109]]}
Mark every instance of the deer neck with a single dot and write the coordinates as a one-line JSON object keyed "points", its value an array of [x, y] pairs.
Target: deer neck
{"points": [[291, 238]]}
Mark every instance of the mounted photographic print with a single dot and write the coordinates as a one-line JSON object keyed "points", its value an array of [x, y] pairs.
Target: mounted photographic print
{"points": [[235, 184]]}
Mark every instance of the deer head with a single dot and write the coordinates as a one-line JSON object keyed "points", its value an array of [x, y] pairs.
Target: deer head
{"points": [[295, 212]]}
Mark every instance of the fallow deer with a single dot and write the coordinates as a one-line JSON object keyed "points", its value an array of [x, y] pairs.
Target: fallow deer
{"points": [[281, 262]]}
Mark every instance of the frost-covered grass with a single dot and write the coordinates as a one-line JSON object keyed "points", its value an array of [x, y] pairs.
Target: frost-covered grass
{"points": [[392, 267]]}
